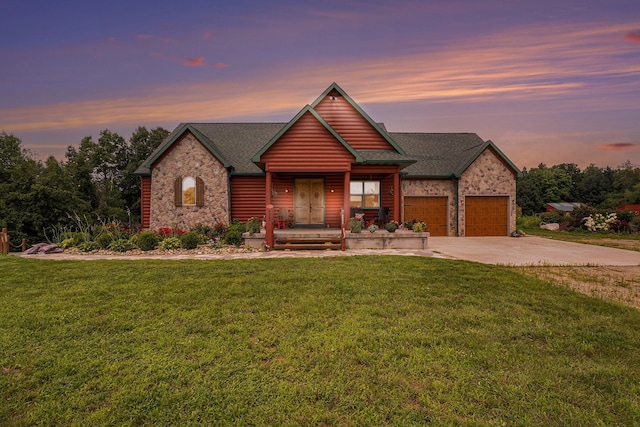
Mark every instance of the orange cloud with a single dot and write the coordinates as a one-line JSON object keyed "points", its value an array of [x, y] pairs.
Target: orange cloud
{"points": [[619, 146], [633, 36], [193, 62]]}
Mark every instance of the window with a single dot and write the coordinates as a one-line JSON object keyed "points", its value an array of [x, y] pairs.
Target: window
{"points": [[189, 191], [365, 194]]}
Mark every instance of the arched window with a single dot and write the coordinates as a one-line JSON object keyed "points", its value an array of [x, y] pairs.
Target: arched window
{"points": [[189, 191]]}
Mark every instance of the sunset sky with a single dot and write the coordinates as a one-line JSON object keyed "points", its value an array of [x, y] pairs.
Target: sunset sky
{"points": [[548, 81]]}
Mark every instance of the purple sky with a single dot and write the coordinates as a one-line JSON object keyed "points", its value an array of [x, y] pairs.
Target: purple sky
{"points": [[548, 81]]}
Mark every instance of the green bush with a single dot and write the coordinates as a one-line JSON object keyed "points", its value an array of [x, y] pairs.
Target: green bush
{"points": [[253, 226], [419, 227], [203, 230], [170, 243], [120, 245], [552, 217], [147, 240], [67, 243], [355, 225], [104, 240], [72, 239], [88, 246], [189, 240], [234, 233]]}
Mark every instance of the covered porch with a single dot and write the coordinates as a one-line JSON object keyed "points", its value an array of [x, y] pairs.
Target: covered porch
{"points": [[328, 200]]}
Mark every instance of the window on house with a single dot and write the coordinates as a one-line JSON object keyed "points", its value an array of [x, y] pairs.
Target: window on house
{"points": [[365, 194], [189, 191]]}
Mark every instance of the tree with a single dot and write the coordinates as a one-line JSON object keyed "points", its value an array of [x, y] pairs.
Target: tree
{"points": [[595, 185], [141, 145]]}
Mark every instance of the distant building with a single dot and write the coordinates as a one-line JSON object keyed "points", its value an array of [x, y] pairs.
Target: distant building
{"points": [[631, 207], [563, 207]]}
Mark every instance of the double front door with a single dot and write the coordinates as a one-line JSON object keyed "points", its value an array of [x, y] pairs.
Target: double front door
{"points": [[309, 201]]}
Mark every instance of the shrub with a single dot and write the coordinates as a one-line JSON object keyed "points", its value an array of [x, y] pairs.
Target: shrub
{"points": [[170, 243], [104, 240], [419, 226], [219, 230], [67, 243], [253, 226], [189, 240], [120, 245], [355, 225], [576, 217], [88, 246], [234, 233], [552, 217], [391, 226], [73, 239], [147, 240], [203, 230]]}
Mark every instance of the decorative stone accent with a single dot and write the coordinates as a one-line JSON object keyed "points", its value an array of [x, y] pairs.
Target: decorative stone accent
{"points": [[487, 176], [433, 187], [188, 157]]}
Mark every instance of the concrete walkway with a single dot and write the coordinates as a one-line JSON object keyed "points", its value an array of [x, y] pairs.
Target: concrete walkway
{"points": [[530, 250]]}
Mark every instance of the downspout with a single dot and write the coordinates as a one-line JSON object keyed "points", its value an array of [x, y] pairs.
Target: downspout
{"points": [[230, 187], [457, 184]]}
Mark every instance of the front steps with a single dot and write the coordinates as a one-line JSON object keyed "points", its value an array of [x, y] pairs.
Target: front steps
{"points": [[307, 241]]}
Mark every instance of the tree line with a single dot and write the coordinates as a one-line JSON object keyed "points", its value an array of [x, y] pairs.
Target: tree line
{"points": [[95, 181], [599, 187]]}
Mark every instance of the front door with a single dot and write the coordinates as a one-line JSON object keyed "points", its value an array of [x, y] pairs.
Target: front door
{"points": [[308, 202]]}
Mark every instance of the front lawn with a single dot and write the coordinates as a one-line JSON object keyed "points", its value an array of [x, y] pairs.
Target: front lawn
{"points": [[377, 340]]}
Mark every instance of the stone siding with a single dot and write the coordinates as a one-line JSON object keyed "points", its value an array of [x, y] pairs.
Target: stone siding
{"points": [[488, 176], [188, 157], [432, 187]]}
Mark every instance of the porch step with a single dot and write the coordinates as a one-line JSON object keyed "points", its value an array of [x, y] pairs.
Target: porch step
{"points": [[308, 243]]}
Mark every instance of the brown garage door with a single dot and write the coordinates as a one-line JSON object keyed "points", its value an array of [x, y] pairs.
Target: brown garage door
{"points": [[486, 216], [432, 210]]}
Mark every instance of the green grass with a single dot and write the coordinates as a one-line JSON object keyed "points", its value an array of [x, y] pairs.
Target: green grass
{"points": [[344, 341], [621, 240]]}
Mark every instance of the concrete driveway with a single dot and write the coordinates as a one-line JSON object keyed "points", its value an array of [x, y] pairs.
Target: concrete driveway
{"points": [[529, 250]]}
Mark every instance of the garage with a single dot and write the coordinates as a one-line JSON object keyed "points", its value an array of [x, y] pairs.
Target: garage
{"points": [[432, 210], [486, 215]]}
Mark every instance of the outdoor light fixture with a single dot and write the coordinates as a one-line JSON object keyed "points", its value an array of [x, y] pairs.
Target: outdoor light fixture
{"points": [[332, 97]]}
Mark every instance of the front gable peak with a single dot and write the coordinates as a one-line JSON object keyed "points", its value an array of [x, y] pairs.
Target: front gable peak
{"points": [[352, 122], [305, 118]]}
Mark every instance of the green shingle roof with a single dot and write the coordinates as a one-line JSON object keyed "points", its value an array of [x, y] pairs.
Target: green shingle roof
{"points": [[438, 154], [427, 155]]}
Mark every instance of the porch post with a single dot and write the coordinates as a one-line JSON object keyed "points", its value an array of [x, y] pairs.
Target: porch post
{"points": [[268, 185], [269, 238], [347, 198], [396, 196]]}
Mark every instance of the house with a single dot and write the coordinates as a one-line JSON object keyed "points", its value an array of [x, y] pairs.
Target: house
{"points": [[562, 207], [330, 158]]}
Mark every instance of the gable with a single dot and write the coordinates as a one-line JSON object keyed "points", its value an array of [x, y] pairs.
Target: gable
{"points": [[351, 122], [307, 145], [182, 132]]}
